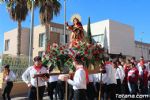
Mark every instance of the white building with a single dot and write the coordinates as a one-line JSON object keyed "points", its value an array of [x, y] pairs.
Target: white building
{"points": [[114, 36], [142, 49], [117, 38]]}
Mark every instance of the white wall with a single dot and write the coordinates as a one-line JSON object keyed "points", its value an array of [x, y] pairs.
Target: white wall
{"points": [[101, 27], [25, 39], [12, 36], [121, 38], [145, 50]]}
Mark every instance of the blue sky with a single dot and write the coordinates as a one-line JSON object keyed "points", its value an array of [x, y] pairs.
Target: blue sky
{"points": [[133, 12]]}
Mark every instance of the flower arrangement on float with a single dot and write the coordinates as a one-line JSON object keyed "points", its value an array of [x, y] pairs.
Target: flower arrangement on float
{"points": [[62, 56]]}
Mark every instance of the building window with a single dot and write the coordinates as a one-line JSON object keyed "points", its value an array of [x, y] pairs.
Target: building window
{"points": [[98, 38], [41, 40], [40, 53], [7, 44]]}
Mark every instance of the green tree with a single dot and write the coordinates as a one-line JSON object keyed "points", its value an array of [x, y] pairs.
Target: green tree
{"points": [[18, 11], [89, 36], [48, 9]]}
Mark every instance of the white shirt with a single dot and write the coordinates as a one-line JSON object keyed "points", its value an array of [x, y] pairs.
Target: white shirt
{"points": [[122, 73], [10, 77], [53, 78], [79, 79], [111, 77], [148, 66], [118, 73], [91, 77], [140, 68], [28, 75], [97, 77]]}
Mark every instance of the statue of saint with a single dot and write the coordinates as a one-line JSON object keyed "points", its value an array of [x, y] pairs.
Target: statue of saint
{"points": [[77, 30]]}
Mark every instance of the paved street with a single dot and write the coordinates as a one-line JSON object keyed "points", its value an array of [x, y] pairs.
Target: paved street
{"points": [[24, 97]]}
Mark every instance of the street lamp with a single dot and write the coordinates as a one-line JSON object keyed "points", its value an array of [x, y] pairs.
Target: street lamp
{"points": [[66, 84], [141, 46], [31, 34]]}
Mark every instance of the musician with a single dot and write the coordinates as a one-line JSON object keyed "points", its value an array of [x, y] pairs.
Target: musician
{"points": [[9, 77], [29, 78]]}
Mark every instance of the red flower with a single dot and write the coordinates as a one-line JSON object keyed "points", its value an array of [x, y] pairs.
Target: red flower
{"points": [[58, 58], [89, 57], [85, 52], [78, 47], [60, 48], [82, 58], [74, 43]]}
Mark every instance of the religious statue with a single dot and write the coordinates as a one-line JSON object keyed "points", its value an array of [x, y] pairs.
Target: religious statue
{"points": [[77, 29]]}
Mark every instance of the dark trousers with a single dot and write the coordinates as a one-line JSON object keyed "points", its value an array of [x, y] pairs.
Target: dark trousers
{"points": [[111, 92], [90, 91], [133, 87], [32, 93], [51, 87], [70, 92], [143, 89], [103, 91], [61, 88], [118, 87], [80, 94], [125, 88], [7, 90]]}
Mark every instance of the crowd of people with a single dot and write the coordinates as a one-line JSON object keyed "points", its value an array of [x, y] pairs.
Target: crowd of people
{"points": [[117, 76]]}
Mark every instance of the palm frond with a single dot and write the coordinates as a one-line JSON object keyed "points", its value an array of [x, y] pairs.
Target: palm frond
{"points": [[48, 8]]}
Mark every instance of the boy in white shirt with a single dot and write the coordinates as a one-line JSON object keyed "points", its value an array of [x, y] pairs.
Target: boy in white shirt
{"points": [[79, 81], [29, 78]]}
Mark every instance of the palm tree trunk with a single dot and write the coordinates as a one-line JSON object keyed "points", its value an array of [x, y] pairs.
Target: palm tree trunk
{"points": [[19, 39], [47, 35]]}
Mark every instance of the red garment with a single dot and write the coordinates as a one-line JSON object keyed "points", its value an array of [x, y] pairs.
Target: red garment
{"points": [[133, 75], [108, 62], [126, 70], [86, 75], [144, 77], [38, 68], [142, 62]]}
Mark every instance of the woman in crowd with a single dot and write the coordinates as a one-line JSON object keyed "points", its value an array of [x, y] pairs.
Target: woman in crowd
{"points": [[118, 77], [127, 68], [9, 77], [133, 76]]}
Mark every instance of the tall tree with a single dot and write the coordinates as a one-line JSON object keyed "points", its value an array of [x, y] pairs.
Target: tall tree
{"points": [[48, 8], [89, 36], [18, 11]]}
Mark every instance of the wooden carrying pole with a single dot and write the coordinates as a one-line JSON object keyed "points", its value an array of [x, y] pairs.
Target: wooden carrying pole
{"points": [[66, 91], [99, 97], [37, 89]]}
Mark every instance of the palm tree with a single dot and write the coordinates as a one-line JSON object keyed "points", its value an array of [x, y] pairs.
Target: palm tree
{"points": [[48, 8], [18, 11]]}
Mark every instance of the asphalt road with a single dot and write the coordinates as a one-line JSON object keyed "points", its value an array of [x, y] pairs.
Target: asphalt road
{"points": [[24, 97]]}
